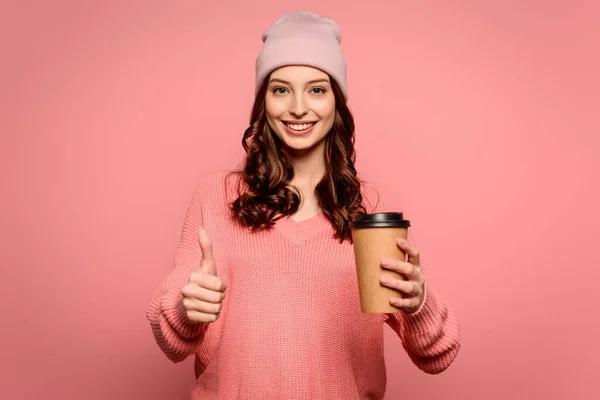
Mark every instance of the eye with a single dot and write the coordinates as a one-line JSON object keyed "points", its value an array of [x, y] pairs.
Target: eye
{"points": [[318, 90], [279, 90]]}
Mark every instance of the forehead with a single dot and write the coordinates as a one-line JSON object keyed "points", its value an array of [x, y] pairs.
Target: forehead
{"points": [[298, 74]]}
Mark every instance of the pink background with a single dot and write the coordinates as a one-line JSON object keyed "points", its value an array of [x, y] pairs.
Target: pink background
{"points": [[481, 116]]}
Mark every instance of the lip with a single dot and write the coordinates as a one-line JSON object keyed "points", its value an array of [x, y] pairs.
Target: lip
{"points": [[299, 133]]}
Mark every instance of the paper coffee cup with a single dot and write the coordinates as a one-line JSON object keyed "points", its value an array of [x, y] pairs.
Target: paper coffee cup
{"points": [[374, 238]]}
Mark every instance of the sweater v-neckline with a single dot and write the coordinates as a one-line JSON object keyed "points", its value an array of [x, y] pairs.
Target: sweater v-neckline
{"points": [[299, 231]]}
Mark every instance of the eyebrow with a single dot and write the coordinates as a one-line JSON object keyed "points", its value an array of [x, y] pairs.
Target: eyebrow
{"points": [[321, 80]]}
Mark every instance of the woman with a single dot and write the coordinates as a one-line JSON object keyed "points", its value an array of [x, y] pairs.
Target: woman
{"points": [[264, 290]]}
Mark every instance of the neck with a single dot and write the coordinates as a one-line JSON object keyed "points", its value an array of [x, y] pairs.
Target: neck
{"points": [[309, 168]]}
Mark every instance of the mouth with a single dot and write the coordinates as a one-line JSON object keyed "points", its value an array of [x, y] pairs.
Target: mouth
{"points": [[301, 128]]}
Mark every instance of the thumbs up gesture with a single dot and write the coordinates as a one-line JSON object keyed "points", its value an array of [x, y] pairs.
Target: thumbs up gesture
{"points": [[204, 293]]}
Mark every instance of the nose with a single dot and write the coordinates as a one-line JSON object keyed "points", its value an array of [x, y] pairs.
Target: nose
{"points": [[298, 107]]}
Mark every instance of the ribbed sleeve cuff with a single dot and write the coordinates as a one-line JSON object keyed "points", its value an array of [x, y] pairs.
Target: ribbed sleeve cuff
{"points": [[175, 314], [426, 317]]}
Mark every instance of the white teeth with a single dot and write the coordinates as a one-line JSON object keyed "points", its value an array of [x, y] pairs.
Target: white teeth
{"points": [[300, 127]]}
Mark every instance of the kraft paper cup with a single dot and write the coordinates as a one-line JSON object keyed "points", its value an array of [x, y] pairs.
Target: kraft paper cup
{"points": [[375, 237]]}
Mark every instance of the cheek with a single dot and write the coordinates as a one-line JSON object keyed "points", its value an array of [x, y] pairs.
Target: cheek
{"points": [[274, 108], [326, 108], [271, 114], [327, 113]]}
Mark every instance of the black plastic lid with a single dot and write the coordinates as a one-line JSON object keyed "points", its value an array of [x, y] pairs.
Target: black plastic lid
{"points": [[380, 220]]}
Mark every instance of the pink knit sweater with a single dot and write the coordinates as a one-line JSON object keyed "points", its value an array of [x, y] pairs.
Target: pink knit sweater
{"points": [[291, 325]]}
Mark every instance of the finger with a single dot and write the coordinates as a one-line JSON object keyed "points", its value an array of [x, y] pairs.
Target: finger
{"points": [[197, 292], [201, 306], [408, 304], [410, 288], [411, 251], [205, 280], [205, 245], [408, 270], [197, 316]]}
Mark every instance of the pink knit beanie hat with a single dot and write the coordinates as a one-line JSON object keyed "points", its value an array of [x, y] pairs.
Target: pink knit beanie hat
{"points": [[303, 38]]}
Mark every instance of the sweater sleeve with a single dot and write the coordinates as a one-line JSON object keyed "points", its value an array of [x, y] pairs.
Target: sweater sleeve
{"points": [[430, 335], [176, 335]]}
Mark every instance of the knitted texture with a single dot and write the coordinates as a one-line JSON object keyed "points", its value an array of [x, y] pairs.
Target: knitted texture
{"points": [[291, 325], [303, 38]]}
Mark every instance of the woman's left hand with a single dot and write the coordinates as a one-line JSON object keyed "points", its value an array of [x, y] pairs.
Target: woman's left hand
{"points": [[414, 285]]}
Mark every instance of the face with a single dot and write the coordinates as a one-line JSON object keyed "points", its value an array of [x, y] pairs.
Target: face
{"points": [[300, 107]]}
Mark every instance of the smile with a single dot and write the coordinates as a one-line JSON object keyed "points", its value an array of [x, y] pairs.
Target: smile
{"points": [[299, 127]]}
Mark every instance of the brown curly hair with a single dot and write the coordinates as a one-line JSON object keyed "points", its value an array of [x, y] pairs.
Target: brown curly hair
{"points": [[266, 173]]}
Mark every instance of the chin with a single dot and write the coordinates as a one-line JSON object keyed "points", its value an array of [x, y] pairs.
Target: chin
{"points": [[302, 144]]}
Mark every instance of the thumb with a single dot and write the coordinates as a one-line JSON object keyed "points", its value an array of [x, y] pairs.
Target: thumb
{"points": [[208, 262]]}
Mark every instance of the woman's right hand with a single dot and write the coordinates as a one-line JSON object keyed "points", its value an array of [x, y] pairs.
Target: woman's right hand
{"points": [[204, 293]]}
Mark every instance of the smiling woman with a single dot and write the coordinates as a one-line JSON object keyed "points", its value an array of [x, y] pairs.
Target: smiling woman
{"points": [[275, 236], [300, 152]]}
